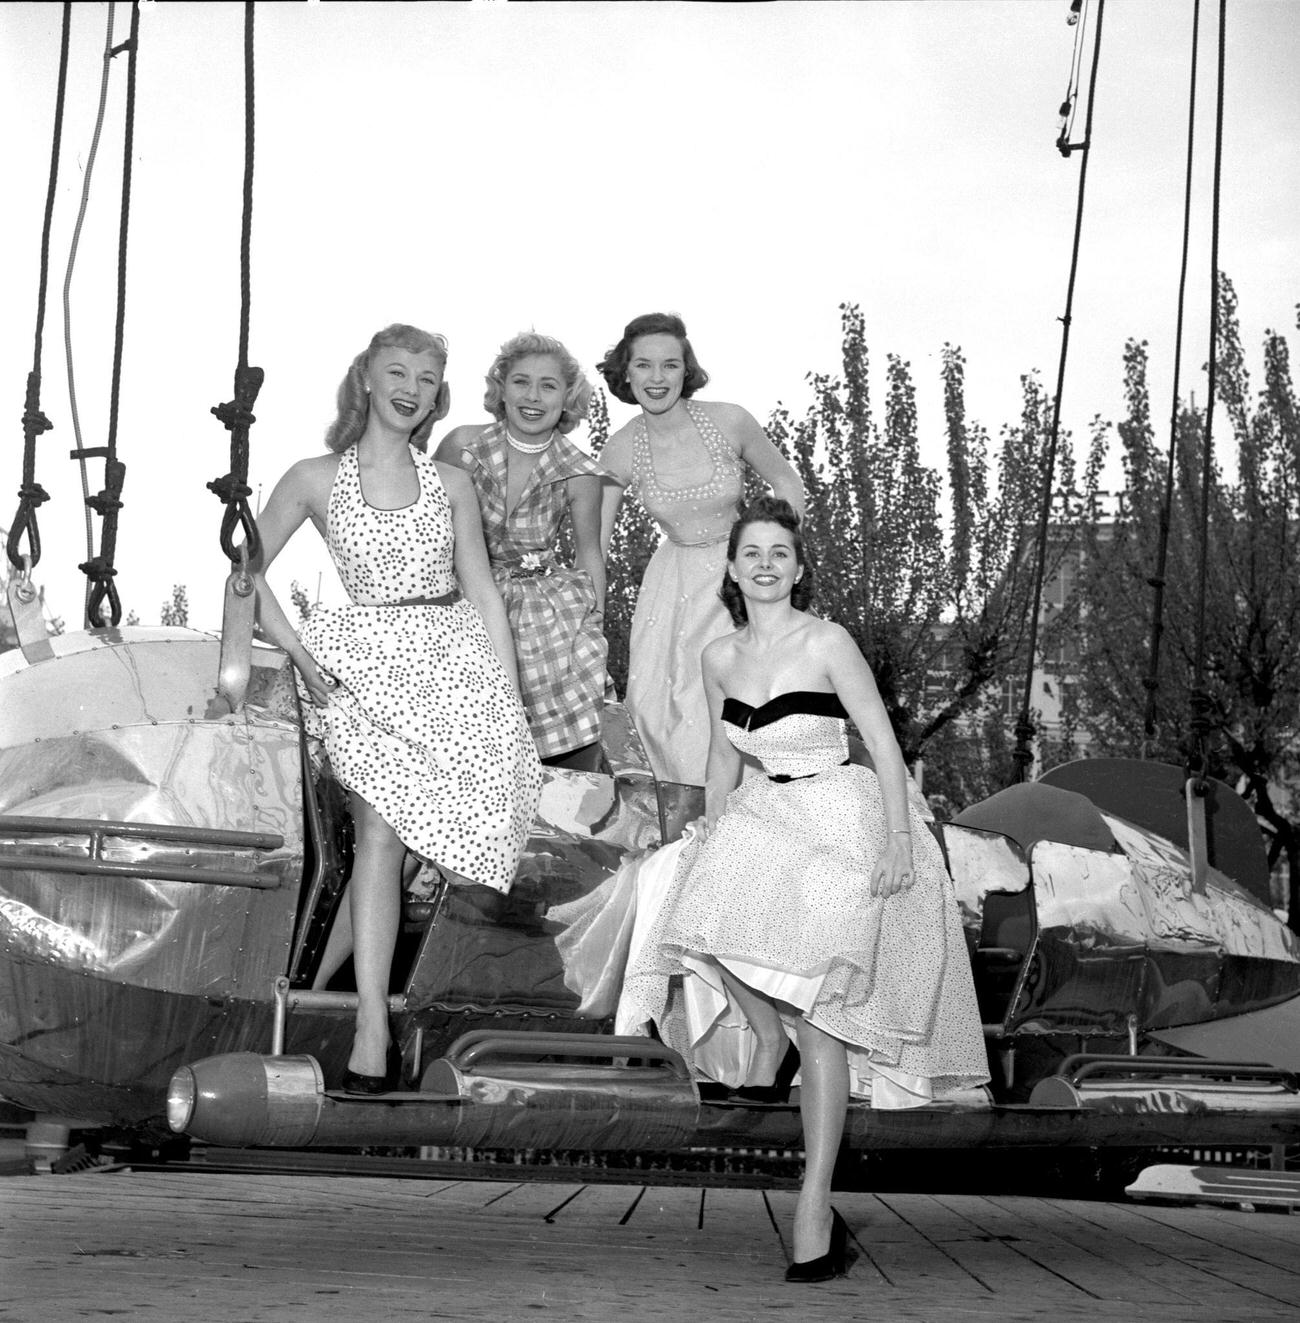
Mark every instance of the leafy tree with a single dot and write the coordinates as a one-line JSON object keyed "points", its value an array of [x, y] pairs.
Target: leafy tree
{"points": [[177, 611], [1251, 638], [941, 617], [301, 601]]}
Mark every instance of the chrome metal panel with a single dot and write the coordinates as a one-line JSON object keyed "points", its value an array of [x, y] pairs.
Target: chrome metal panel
{"points": [[240, 774], [1226, 917], [1125, 941], [981, 862], [624, 753], [107, 976], [117, 677], [1092, 896]]}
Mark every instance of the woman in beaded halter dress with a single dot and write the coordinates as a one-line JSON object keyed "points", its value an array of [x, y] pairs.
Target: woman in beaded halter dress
{"points": [[530, 479], [685, 459], [817, 907], [412, 686]]}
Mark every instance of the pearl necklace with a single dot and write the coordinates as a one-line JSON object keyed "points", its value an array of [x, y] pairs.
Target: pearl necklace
{"points": [[529, 448]]}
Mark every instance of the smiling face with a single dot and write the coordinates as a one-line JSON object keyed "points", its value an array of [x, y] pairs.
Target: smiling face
{"points": [[766, 565], [655, 372], [532, 395], [403, 386]]}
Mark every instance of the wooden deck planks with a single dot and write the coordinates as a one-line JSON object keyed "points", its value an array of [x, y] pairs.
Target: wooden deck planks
{"points": [[263, 1247]]}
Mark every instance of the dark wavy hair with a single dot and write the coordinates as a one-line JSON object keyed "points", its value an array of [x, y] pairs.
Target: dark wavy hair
{"points": [[766, 510], [354, 399], [613, 367]]}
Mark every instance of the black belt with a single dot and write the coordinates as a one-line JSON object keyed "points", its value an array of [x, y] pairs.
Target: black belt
{"points": [[783, 780], [445, 599]]}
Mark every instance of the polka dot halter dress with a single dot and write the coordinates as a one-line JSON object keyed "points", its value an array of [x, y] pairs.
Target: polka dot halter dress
{"points": [[425, 724]]}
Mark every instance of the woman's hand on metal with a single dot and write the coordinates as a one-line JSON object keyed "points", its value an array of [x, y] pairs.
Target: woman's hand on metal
{"points": [[321, 685], [893, 871]]}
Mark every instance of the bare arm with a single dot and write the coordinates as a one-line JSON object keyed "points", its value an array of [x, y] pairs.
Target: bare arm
{"points": [[300, 495], [584, 518], [856, 686], [472, 567], [755, 447], [616, 460], [722, 774], [453, 443]]}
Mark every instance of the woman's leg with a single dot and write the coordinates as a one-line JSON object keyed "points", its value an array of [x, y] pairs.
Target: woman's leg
{"points": [[376, 896], [338, 945], [770, 1042], [823, 1104]]}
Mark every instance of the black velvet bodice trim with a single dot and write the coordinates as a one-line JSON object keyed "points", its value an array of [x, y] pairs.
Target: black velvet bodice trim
{"points": [[807, 701]]}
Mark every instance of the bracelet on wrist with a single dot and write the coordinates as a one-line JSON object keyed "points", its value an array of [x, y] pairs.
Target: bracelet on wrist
{"points": [[901, 831]]}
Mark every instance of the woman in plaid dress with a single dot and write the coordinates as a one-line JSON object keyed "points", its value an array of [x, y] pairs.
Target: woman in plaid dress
{"points": [[529, 478]]}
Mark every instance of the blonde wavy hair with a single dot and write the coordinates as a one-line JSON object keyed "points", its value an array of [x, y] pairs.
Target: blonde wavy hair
{"points": [[577, 389], [354, 400]]}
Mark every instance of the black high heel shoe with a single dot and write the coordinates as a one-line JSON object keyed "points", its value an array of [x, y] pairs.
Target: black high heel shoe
{"points": [[388, 1082], [832, 1263]]}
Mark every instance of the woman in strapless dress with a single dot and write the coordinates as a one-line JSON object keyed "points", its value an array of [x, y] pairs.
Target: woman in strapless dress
{"points": [[817, 906]]}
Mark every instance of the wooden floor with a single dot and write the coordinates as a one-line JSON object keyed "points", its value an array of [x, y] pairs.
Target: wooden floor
{"points": [[296, 1249]]}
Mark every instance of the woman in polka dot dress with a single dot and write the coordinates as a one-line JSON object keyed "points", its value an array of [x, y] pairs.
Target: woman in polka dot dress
{"points": [[412, 687], [686, 460], [818, 905]]}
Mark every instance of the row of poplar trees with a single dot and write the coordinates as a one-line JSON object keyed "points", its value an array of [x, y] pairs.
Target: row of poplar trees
{"points": [[934, 573]]}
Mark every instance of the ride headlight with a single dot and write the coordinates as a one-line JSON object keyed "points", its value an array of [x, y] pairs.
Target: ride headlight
{"points": [[181, 1093]]}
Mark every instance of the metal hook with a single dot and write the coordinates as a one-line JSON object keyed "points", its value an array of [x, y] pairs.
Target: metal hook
{"points": [[23, 589]]}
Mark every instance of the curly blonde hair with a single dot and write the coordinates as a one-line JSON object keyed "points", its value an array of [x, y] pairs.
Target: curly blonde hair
{"points": [[577, 389]]}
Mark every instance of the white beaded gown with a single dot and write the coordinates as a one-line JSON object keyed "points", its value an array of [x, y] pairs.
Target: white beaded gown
{"points": [[779, 894], [425, 724], [678, 610]]}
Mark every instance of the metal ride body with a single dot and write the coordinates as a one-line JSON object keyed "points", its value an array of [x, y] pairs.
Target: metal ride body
{"points": [[1112, 975]]}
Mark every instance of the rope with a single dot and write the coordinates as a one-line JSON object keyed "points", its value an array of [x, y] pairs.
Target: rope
{"points": [[237, 414], [1198, 760], [1023, 754], [1157, 580], [31, 495], [79, 452], [100, 569], [1070, 104]]}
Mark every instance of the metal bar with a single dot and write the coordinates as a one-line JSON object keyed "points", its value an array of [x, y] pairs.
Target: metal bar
{"points": [[1198, 849], [466, 1051], [314, 832], [311, 1000], [288, 999], [279, 1015], [1081, 1067], [235, 840], [87, 867], [236, 661], [29, 622]]}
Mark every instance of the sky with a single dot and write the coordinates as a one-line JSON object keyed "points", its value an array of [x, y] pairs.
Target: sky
{"points": [[482, 168]]}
